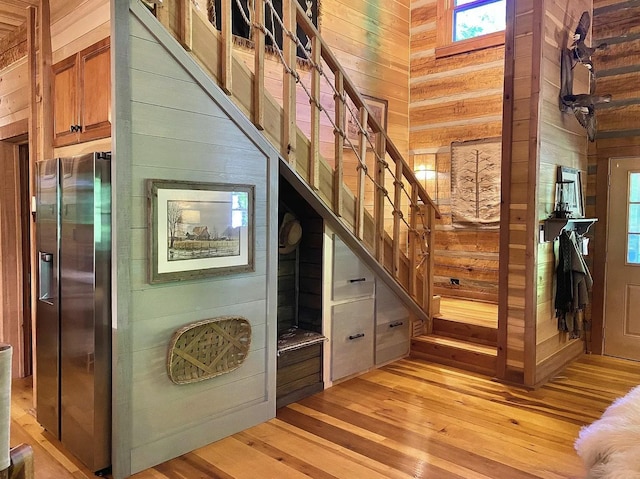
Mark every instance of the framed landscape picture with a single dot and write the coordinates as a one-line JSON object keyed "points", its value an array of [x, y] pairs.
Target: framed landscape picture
{"points": [[199, 229]]}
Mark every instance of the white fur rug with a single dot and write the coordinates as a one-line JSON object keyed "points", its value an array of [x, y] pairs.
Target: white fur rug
{"points": [[610, 446]]}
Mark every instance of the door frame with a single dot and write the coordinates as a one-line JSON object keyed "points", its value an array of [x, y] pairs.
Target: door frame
{"points": [[12, 137], [610, 164], [602, 175]]}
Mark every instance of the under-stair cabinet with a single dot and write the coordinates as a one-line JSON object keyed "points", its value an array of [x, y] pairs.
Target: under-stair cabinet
{"points": [[82, 96], [370, 326]]}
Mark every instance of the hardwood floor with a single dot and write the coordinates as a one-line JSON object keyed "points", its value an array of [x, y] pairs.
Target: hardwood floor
{"points": [[469, 311], [410, 419]]}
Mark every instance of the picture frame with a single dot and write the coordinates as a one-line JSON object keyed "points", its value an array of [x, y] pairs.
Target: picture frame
{"points": [[378, 106], [574, 199], [198, 229]]}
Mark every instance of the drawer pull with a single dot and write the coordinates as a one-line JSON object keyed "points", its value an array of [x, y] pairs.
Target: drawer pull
{"points": [[396, 324], [356, 336], [357, 280]]}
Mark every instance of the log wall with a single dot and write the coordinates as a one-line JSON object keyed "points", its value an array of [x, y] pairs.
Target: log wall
{"points": [[454, 98], [618, 24]]}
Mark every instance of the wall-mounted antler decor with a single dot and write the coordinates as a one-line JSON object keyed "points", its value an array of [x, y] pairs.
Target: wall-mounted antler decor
{"points": [[582, 105]]}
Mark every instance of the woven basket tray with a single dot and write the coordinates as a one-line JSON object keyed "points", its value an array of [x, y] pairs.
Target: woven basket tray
{"points": [[208, 348]]}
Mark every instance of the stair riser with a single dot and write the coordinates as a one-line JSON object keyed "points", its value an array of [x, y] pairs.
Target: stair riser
{"points": [[456, 357], [465, 332]]}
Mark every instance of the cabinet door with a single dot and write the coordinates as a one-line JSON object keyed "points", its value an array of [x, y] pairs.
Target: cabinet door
{"points": [[393, 335], [82, 96], [95, 90], [352, 338], [351, 278], [65, 101]]}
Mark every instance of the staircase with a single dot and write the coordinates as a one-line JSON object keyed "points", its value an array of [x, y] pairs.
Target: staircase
{"points": [[385, 215], [457, 340], [368, 194]]}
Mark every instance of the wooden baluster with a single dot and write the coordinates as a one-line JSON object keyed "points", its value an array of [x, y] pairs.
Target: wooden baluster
{"points": [[338, 169], [314, 145], [162, 14], [186, 26], [289, 83], [414, 238], [226, 63], [397, 207], [362, 172], [378, 206], [258, 77]]}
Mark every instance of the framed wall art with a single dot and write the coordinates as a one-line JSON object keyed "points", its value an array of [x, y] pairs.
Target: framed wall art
{"points": [[571, 191], [199, 229], [378, 108]]}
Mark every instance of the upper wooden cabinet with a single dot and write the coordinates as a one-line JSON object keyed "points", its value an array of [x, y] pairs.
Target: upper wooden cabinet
{"points": [[82, 96]]}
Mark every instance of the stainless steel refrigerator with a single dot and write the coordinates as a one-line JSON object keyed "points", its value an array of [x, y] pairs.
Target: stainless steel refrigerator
{"points": [[73, 313]]}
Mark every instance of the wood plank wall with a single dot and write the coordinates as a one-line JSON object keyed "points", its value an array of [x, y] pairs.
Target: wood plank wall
{"points": [[563, 142], [175, 137], [542, 138], [618, 24], [14, 93], [455, 98]]}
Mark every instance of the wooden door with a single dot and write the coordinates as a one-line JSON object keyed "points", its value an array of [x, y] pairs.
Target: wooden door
{"points": [[622, 290], [65, 101], [95, 91]]}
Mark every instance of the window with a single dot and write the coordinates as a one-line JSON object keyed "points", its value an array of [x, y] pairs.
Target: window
{"points": [[241, 29], [466, 25], [633, 220]]}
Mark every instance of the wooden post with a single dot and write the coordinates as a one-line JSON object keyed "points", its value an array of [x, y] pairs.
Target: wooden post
{"points": [[258, 76], [186, 26], [32, 69], [378, 205], [362, 172], [427, 280], [289, 83], [414, 238], [162, 14], [46, 133], [397, 211], [226, 45], [338, 169], [314, 145]]}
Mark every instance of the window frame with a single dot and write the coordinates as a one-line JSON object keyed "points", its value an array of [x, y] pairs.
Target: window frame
{"points": [[445, 46]]}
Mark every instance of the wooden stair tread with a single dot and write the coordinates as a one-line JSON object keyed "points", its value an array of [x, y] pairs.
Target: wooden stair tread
{"points": [[475, 322], [458, 344]]}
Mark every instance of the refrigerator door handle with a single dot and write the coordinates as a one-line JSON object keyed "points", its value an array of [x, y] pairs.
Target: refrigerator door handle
{"points": [[45, 285]]}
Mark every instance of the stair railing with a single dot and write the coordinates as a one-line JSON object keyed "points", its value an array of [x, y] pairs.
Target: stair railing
{"points": [[395, 225]]}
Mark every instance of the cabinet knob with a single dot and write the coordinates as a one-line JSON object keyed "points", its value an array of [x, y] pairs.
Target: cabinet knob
{"points": [[75, 128], [396, 324], [356, 336]]}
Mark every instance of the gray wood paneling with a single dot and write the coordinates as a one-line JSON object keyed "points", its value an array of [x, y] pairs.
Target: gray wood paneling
{"points": [[184, 128]]}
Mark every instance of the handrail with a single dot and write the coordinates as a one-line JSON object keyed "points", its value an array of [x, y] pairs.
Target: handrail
{"points": [[409, 199]]}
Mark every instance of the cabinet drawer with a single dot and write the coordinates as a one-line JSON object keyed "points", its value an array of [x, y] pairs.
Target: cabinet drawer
{"points": [[352, 338], [351, 278], [393, 340]]}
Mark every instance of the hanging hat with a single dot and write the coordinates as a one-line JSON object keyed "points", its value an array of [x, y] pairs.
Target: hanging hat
{"points": [[290, 234]]}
